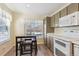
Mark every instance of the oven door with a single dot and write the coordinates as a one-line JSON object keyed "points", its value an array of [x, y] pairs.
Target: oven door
{"points": [[62, 47]]}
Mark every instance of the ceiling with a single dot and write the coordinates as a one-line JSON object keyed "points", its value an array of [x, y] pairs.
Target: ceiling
{"points": [[37, 9]]}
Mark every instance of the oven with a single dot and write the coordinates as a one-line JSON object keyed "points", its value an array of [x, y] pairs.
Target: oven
{"points": [[62, 47]]}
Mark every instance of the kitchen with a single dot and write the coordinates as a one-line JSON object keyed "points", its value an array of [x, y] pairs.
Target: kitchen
{"points": [[59, 31], [63, 39]]}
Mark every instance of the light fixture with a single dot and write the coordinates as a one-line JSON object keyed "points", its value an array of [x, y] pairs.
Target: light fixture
{"points": [[28, 5]]}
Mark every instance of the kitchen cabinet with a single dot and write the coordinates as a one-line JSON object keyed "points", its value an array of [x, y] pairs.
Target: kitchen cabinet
{"points": [[74, 17], [69, 20], [72, 8], [63, 12], [76, 50], [50, 43], [45, 40], [65, 21], [53, 21], [47, 28], [57, 16]]}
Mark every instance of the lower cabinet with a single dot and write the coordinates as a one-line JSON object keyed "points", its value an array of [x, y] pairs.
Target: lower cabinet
{"points": [[50, 44], [45, 40], [76, 50]]}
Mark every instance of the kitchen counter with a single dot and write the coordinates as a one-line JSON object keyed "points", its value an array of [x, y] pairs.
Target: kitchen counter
{"points": [[71, 38]]}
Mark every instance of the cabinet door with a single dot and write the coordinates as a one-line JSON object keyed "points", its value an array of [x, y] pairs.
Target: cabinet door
{"points": [[57, 15], [63, 12], [76, 50], [72, 8], [48, 24], [47, 41], [53, 21], [48, 19], [49, 29], [52, 45]]}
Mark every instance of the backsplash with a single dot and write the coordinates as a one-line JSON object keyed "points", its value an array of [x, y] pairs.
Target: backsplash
{"points": [[70, 30]]}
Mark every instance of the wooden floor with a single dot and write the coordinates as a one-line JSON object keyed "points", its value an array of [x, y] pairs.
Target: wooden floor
{"points": [[42, 51]]}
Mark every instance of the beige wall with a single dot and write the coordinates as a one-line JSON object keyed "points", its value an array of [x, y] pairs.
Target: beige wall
{"points": [[19, 25]]}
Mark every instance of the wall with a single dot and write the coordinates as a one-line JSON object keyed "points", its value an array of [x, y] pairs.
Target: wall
{"points": [[67, 30], [19, 24]]}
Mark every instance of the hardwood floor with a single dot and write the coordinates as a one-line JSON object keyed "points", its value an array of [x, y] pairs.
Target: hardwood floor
{"points": [[42, 51]]}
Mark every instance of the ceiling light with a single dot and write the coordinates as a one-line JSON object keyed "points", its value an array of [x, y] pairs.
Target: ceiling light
{"points": [[28, 5]]}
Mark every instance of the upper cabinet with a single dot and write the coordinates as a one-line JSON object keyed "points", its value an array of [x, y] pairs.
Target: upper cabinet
{"points": [[63, 12], [62, 17], [57, 16], [53, 21], [72, 8], [48, 21], [69, 20], [49, 29]]}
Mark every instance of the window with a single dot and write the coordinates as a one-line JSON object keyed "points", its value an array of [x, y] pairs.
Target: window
{"points": [[4, 25], [34, 27]]}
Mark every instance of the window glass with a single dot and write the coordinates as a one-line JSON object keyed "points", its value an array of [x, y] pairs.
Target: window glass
{"points": [[34, 27]]}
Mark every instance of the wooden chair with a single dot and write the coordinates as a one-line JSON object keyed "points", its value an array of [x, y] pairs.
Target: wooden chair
{"points": [[26, 46], [20, 40]]}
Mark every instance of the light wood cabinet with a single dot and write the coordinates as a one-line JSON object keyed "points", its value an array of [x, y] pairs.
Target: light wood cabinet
{"points": [[63, 12], [72, 8], [49, 29], [76, 50], [57, 16], [53, 21], [50, 43], [45, 40], [66, 11]]}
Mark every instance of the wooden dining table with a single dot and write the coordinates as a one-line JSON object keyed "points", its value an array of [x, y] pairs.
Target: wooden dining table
{"points": [[19, 39]]}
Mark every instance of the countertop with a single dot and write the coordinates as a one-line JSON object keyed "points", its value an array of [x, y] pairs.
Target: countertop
{"points": [[67, 37]]}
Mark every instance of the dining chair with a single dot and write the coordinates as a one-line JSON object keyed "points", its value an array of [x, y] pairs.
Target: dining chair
{"points": [[26, 46], [26, 42]]}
